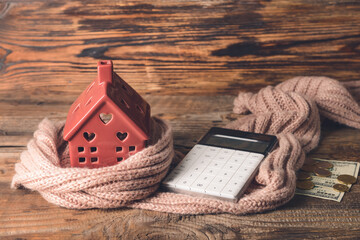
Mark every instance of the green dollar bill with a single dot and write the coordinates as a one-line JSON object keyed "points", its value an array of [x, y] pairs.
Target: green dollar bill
{"points": [[324, 185]]}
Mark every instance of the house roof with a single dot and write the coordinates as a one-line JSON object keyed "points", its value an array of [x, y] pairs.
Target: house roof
{"points": [[107, 86]]}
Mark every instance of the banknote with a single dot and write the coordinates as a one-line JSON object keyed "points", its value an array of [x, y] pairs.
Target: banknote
{"points": [[327, 193], [340, 168], [324, 185]]}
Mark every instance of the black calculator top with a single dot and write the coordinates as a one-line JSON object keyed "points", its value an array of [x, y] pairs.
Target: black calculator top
{"points": [[239, 140]]}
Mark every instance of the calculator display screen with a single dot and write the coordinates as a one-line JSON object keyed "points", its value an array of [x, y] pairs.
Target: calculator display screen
{"points": [[237, 143]]}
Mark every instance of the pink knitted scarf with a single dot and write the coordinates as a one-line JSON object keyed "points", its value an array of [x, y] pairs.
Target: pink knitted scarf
{"points": [[290, 110]]}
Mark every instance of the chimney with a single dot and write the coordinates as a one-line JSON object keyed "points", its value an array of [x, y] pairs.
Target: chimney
{"points": [[105, 71]]}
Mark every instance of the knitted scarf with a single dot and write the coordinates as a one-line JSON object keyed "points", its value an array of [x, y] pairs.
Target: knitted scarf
{"points": [[291, 111]]}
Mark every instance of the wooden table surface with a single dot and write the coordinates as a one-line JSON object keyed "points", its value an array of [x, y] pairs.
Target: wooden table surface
{"points": [[188, 59]]}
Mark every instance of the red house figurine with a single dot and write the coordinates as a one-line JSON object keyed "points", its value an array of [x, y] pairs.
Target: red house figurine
{"points": [[107, 123]]}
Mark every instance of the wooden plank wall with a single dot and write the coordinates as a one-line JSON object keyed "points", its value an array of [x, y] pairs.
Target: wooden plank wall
{"points": [[49, 49], [188, 59]]}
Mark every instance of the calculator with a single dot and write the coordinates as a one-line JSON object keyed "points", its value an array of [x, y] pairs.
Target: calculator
{"points": [[221, 165]]}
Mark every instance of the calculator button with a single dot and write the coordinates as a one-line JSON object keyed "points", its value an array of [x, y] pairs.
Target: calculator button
{"points": [[252, 166], [206, 178], [221, 158], [238, 177], [236, 160], [252, 163], [198, 169], [199, 147], [222, 179], [216, 164], [180, 170], [225, 174], [184, 182], [196, 151], [230, 167], [207, 156], [211, 171], [183, 166], [227, 195], [190, 177], [227, 152], [182, 186], [213, 150], [240, 154], [244, 171], [201, 183], [255, 157], [219, 181], [202, 161], [216, 185], [214, 189], [175, 174], [187, 160], [199, 166], [233, 187], [224, 154], [170, 181]]}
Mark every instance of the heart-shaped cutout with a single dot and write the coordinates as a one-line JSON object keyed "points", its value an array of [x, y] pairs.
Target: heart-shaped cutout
{"points": [[121, 135], [89, 136], [105, 117]]}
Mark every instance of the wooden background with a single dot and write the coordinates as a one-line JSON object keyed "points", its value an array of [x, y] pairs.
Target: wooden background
{"points": [[188, 59]]}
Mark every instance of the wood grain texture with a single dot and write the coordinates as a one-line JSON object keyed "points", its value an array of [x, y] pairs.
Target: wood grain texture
{"points": [[50, 48], [188, 59], [26, 214]]}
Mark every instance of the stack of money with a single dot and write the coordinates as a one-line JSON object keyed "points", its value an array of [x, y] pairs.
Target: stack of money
{"points": [[326, 179]]}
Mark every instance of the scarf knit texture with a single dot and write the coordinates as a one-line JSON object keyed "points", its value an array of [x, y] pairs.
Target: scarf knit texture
{"points": [[291, 111]]}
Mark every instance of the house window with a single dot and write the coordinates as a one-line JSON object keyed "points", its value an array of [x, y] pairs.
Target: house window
{"points": [[89, 136], [90, 87], [94, 159], [121, 136], [119, 159], [123, 87], [127, 90], [88, 102], [77, 108], [81, 160], [80, 149], [139, 109], [131, 148], [118, 149], [93, 149], [105, 117], [125, 103]]}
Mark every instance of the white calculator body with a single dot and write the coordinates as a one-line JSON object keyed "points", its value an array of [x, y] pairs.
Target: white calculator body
{"points": [[221, 165]]}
